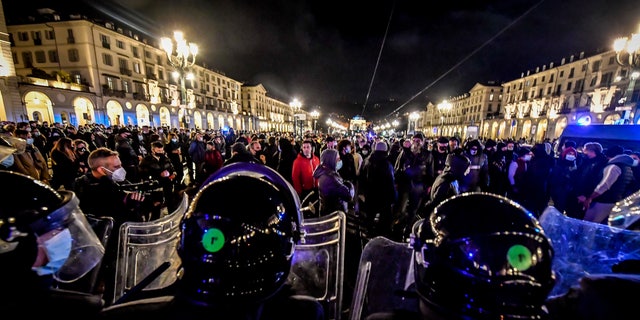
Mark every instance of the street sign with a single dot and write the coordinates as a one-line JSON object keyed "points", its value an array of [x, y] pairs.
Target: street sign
{"points": [[301, 116]]}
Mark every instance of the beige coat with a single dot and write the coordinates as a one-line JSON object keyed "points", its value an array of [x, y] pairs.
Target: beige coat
{"points": [[32, 163]]}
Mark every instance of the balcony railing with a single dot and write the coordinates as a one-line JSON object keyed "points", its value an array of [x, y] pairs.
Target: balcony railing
{"points": [[113, 93], [141, 96], [53, 84]]}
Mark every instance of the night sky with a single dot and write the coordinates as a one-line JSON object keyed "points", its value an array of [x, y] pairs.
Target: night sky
{"points": [[347, 57]]}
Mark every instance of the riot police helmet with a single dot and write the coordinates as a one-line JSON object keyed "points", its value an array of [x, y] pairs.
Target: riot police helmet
{"points": [[239, 251], [43, 232], [482, 256]]}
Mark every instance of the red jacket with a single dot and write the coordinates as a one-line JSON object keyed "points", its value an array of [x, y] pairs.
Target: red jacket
{"points": [[302, 172]]}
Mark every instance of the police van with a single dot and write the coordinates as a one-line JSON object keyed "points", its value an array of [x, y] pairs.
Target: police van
{"points": [[624, 135]]}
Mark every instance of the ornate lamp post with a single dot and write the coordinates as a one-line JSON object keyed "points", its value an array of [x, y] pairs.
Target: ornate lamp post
{"points": [[444, 107], [315, 114], [414, 116], [182, 56], [295, 107], [628, 56]]}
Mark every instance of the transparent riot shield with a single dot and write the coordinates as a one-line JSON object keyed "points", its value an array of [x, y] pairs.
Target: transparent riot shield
{"points": [[584, 248], [318, 263], [626, 213], [385, 280], [148, 251]]}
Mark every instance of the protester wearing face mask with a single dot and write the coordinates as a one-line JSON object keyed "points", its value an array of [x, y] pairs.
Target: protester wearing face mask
{"points": [[414, 170], [157, 167], [516, 173], [99, 190], [478, 177], [560, 178], [334, 192], [30, 162]]}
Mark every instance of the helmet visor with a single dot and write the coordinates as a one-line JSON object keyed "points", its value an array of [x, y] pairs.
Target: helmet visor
{"points": [[86, 249], [507, 254], [507, 273]]}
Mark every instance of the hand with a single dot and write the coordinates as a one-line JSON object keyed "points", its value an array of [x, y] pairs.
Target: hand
{"points": [[135, 196], [586, 203], [165, 173], [581, 199]]}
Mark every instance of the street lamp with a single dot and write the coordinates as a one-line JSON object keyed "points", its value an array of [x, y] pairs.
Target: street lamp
{"points": [[295, 107], [444, 107], [628, 55], [414, 116], [315, 115], [182, 57]]}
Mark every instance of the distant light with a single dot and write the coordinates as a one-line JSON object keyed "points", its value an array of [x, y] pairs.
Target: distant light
{"points": [[584, 121]]}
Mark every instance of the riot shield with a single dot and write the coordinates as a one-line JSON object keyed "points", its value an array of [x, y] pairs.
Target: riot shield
{"points": [[317, 269], [385, 280], [584, 248], [143, 248], [626, 213]]}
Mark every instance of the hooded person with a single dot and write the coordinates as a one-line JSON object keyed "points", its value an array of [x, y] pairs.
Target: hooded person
{"points": [[447, 184], [334, 192]]}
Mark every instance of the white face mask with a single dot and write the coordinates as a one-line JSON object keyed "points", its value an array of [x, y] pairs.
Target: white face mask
{"points": [[635, 163], [8, 161], [119, 175], [58, 249], [527, 157], [570, 157], [339, 165]]}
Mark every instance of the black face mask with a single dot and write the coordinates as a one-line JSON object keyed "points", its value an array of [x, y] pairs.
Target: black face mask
{"points": [[442, 149], [159, 154]]}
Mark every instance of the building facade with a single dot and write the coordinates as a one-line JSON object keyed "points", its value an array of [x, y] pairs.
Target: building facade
{"points": [[76, 71], [540, 104]]}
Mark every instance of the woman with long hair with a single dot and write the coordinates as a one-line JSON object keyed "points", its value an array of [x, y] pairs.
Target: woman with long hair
{"points": [[65, 164]]}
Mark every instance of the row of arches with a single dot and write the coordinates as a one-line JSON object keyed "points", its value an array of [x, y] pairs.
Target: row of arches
{"points": [[40, 107], [529, 129]]}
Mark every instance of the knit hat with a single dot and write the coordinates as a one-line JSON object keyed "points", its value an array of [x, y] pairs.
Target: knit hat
{"points": [[381, 146]]}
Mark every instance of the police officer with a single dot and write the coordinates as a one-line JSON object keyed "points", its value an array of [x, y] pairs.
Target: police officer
{"points": [[236, 255], [45, 239], [479, 264]]}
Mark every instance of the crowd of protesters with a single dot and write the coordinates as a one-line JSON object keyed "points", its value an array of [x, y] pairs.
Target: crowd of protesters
{"points": [[383, 184], [389, 181]]}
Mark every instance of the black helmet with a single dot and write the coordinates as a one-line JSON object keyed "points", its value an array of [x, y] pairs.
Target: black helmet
{"points": [[35, 216], [239, 251], [490, 259]]}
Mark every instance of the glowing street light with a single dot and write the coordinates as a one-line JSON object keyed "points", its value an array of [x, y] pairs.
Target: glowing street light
{"points": [[315, 115], [628, 56], [181, 56], [414, 116], [295, 107]]}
